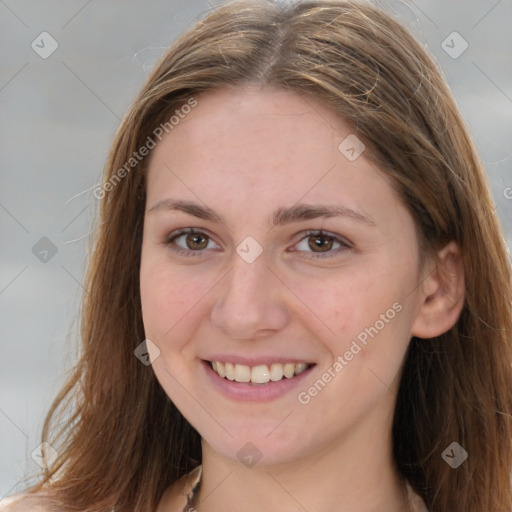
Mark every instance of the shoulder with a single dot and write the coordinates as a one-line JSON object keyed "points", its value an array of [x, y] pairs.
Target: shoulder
{"points": [[179, 494], [415, 500], [23, 503]]}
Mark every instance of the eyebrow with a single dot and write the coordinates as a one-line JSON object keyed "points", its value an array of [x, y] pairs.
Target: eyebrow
{"points": [[281, 216]]}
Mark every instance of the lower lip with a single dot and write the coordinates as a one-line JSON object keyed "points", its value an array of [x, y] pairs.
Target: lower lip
{"points": [[248, 391]]}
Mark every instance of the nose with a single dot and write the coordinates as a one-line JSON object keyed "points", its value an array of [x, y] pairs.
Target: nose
{"points": [[250, 301]]}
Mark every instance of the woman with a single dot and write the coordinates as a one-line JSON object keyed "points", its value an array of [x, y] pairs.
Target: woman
{"points": [[295, 221]]}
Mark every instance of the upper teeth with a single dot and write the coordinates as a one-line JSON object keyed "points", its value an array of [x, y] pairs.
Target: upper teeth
{"points": [[258, 374]]}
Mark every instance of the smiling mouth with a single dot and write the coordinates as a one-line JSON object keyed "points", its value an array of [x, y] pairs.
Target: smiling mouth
{"points": [[261, 374]]}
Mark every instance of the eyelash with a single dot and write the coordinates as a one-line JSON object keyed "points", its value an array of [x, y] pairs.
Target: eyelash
{"points": [[308, 233]]}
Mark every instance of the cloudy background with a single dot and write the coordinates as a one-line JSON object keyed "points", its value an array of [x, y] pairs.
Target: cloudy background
{"points": [[59, 114]]}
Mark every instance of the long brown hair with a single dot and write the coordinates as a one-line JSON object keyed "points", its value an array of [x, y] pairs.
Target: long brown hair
{"points": [[121, 441]]}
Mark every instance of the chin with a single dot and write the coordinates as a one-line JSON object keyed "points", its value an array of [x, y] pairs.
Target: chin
{"points": [[257, 447]]}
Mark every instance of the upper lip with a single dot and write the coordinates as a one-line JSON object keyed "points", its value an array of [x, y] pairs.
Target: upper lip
{"points": [[256, 360]]}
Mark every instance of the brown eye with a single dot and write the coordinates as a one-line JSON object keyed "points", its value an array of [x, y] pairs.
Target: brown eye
{"points": [[318, 244], [196, 241], [189, 242], [321, 242]]}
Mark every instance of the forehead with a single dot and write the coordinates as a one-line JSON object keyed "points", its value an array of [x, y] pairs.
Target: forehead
{"points": [[244, 147], [250, 117]]}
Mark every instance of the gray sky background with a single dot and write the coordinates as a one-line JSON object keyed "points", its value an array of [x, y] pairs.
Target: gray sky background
{"points": [[57, 118]]}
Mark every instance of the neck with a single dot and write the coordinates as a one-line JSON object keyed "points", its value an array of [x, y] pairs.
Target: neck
{"points": [[353, 474]]}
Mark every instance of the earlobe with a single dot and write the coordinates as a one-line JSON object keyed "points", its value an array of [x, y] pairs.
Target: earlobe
{"points": [[442, 294]]}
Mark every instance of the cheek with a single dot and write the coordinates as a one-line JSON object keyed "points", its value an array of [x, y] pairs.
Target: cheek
{"points": [[165, 297], [347, 298], [172, 298], [361, 312]]}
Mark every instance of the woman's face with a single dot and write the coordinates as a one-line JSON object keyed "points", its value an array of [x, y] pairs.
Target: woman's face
{"points": [[256, 290]]}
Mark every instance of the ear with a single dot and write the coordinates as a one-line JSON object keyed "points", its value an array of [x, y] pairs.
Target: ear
{"points": [[441, 294]]}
